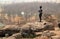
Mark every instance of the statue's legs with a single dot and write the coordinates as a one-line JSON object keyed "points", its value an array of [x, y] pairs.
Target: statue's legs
{"points": [[40, 17]]}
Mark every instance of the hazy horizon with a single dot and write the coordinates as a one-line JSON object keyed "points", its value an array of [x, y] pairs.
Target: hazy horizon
{"points": [[21, 1]]}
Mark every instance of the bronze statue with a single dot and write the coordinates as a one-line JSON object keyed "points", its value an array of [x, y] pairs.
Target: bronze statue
{"points": [[40, 13]]}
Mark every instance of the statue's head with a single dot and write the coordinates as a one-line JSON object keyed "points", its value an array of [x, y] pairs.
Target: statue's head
{"points": [[40, 6]]}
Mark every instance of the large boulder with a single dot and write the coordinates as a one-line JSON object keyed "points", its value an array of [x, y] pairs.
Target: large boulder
{"points": [[10, 30], [37, 26], [32, 27]]}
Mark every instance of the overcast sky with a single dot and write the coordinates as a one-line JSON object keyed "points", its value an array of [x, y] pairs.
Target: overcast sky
{"points": [[19, 1]]}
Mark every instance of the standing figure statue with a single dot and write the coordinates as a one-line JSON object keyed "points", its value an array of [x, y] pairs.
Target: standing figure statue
{"points": [[40, 13]]}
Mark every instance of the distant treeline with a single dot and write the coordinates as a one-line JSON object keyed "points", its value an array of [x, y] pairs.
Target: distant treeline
{"points": [[32, 8]]}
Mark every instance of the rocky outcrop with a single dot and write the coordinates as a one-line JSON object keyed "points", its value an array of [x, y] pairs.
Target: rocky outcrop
{"points": [[31, 28], [37, 25], [9, 29]]}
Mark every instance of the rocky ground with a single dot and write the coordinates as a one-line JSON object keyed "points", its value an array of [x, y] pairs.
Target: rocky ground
{"points": [[56, 36], [37, 30], [34, 26]]}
